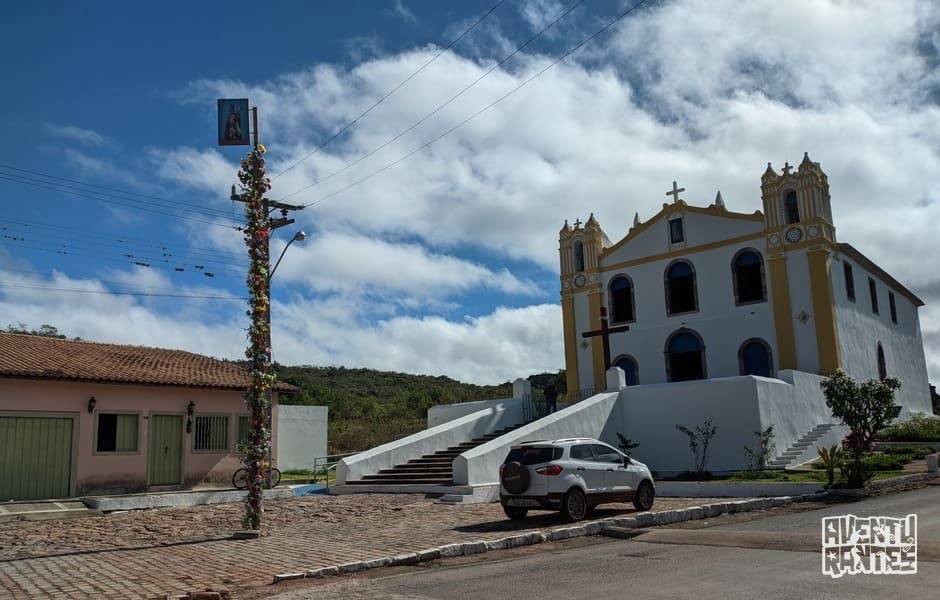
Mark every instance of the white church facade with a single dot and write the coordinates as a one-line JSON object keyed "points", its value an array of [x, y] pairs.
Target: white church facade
{"points": [[702, 293], [698, 314]]}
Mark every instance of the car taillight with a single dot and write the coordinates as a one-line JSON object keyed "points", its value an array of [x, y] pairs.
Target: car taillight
{"points": [[549, 470]]}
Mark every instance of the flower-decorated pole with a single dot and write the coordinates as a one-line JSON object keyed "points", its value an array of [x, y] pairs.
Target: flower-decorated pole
{"points": [[257, 235]]}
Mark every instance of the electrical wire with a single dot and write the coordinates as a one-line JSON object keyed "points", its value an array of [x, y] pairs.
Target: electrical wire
{"points": [[345, 127], [122, 293], [577, 47], [441, 107]]}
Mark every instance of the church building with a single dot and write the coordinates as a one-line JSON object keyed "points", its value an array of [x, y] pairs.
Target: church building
{"points": [[702, 293]]}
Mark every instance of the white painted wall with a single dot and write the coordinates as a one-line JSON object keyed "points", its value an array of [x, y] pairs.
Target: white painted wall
{"points": [[443, 413], [801, 300], [588, 418], [860, 330], [303, 435], [794, 404], [450, 433]]}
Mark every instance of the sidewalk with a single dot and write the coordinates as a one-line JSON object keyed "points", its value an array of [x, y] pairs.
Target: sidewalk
{"points": [[77, 558]]}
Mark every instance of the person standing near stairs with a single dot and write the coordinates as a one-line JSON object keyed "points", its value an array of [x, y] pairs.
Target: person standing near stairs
{"points": [[551, 398]]}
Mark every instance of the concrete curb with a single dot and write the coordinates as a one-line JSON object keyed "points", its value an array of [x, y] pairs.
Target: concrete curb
{"points": [[616, 526]]}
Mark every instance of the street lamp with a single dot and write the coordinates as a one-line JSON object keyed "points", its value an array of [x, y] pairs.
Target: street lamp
{"points": [[298, 237]]}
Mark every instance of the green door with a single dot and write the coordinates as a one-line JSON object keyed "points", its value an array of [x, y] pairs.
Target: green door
{"points": [[166, 449], [35, 457]]}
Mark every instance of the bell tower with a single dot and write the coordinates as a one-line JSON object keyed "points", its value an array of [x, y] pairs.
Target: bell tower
{"points": [[798, 227], [797, 205]]}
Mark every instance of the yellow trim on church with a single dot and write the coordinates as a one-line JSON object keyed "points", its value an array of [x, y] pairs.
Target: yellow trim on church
{"points": [[827, 329], [681, 206], [683, 252], [783, 319], [597, 345], [571, 344]]}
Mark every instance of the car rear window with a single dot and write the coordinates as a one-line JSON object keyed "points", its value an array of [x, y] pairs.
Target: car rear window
{"points": [[533, 455]]}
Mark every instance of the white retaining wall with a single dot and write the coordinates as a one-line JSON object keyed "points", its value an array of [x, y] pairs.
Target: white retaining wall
{"points": [[443, 413], [588, 418], [491, 418], [302, 435]]}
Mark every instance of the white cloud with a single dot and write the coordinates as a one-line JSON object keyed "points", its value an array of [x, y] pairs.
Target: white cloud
{"points": [[77, 134], [350, 262], [400, 11]]}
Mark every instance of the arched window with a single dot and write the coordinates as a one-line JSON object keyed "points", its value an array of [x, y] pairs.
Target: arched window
{"points": [[754, 358], [685, 356], [748, 270], [882, 367], [791, 209], [630, 370], [621, 300], [578, 256], [681, 293]]}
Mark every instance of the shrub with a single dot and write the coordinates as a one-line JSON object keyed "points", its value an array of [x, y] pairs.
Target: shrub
{"points": [[829, 459], [759, 456], [919, 428], [883, 462], [699, 441], [909, 453]]}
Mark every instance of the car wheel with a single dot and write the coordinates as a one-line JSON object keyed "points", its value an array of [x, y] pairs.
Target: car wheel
{"points": [[574, 506], [515, 513], [644, 496]]}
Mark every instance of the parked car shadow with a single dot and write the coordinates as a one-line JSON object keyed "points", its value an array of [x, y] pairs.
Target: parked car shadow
{"points": [[538, 519]]}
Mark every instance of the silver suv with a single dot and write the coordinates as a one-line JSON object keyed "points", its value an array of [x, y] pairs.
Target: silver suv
{"points": [[571, 475]]}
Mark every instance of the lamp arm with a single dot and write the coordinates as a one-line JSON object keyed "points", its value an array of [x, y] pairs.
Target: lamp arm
{"points": [[271, 274]]}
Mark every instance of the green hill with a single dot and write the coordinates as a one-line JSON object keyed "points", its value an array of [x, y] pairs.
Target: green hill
{"points": [[369, 407]]}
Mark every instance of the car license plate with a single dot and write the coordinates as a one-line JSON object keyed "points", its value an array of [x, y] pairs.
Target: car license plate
{"points": [[521, 502]]}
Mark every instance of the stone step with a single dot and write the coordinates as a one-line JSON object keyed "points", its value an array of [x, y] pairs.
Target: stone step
{"points": [[430, 461], [419, 469], [408, 476], [414, 481]]}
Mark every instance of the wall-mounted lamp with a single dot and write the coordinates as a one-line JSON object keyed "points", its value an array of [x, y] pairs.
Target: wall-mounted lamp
{"points": [[189, 411], [91, 404]]}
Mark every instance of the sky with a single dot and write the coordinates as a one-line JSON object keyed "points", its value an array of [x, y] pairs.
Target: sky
{"points": [[464, 143]]}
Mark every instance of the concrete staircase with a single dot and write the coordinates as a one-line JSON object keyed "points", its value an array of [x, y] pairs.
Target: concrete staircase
{"points": [[430, 469], [797, 450]]}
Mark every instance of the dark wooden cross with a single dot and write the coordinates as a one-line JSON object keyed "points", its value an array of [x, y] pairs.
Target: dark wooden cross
{"points": [[605, 332], [787, 168]]}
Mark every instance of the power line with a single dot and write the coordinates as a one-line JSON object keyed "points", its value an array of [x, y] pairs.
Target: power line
{"points": [[442, 106], [168, 256], [104, 281], [392, 91], [121, 191], [577, 47], [142, 208], [191, 251], [122, 293]]}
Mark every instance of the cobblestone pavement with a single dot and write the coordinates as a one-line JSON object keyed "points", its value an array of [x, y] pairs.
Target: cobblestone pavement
{"points": [[139, 554]]}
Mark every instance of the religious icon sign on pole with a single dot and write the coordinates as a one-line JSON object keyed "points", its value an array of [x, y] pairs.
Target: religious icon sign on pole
{"points": [[233, 122]]}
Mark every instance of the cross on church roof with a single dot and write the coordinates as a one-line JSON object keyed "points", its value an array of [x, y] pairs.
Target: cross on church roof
{"points": [[787, 167], [675, 192], [577, 223]]}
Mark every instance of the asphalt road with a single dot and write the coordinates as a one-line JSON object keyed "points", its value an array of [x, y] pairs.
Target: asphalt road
{"points": [[769, 558]]}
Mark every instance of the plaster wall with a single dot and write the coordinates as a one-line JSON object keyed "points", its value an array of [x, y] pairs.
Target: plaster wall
{"points": [[444, 413], [801, 301], [588, 418], [112, 472], [450, 433], [860, 331], [648, 415], [303, 436], [722, 325]]}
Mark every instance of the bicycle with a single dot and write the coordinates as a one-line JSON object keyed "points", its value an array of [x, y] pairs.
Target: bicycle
{"points": [[240, 478]]}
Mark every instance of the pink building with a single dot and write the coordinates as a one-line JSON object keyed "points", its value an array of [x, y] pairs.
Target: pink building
{"points": [[81, 418]]}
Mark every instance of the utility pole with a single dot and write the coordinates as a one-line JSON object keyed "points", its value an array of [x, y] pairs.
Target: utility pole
{"points": [[257, 230]]}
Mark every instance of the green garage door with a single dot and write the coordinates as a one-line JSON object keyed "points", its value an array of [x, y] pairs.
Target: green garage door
{"points": [[35, 457]]}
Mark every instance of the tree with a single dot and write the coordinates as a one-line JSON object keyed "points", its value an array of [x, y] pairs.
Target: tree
{"points": [[625, 444], [863, 408], [698, 442], [44, 330]]}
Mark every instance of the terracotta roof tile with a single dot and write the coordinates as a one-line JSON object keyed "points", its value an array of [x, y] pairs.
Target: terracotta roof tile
{"points": [[34, 356]]}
